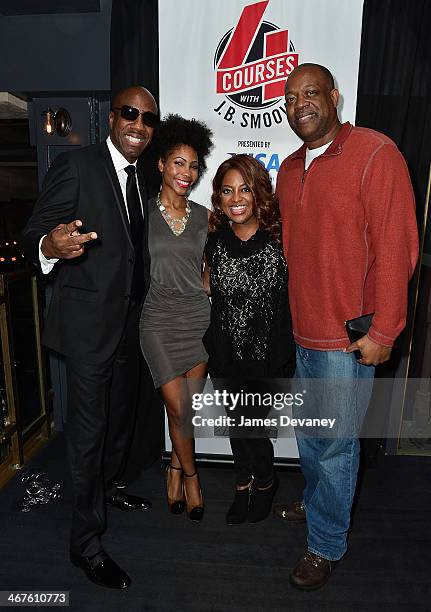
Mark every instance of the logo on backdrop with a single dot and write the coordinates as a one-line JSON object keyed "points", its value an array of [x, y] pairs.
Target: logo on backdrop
{"points": [[252, 63]]}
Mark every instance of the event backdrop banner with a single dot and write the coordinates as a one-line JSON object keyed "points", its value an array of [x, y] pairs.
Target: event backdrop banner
{"points": [[225, 62]]}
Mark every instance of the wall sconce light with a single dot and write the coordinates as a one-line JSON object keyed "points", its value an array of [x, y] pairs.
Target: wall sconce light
{"points": [[49, 121], [57, 122]]}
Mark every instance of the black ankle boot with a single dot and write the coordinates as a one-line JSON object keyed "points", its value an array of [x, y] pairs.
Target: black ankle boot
{"points": [[238, 511], [261, 501]]}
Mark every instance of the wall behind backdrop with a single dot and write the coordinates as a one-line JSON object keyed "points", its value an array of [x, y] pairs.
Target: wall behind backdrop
{"points": [[51, 47]]}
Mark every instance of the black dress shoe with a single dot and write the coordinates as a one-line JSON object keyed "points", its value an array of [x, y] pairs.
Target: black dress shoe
{"points": [[102, 570], [125, 501]]}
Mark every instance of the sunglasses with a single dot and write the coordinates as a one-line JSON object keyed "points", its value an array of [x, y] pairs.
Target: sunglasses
{"points": [[130, 113]]}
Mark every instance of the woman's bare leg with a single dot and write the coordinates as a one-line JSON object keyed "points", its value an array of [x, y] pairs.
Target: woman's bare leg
{"points": [[196, 378], [175, 481], [195, 384], [177, 400]]}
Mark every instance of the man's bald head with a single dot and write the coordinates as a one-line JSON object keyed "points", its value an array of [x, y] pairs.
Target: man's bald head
{"points": [[326, 74], [135, 90]]}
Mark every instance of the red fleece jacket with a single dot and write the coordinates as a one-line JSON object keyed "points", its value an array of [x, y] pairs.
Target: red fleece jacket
{"points": [[350, 238]]}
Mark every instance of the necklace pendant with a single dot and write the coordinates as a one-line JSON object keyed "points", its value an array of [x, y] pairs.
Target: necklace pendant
{"points": [[177, 226]]}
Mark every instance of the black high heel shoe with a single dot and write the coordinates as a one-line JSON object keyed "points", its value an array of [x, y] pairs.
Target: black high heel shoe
{"points": [[196, 513], [176, 506]]}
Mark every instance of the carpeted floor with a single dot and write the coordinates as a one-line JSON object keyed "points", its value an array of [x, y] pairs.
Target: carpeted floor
{"points": [[177, 565]]}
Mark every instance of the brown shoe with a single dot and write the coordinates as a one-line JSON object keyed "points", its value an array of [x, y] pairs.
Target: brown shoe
{"points": [[294, 513], [311, 572]]}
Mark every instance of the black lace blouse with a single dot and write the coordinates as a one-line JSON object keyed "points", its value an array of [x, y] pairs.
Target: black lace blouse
{"points": [[250, 333]]}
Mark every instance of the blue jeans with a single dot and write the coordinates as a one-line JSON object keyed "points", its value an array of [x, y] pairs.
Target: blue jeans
{"points": [[330, 464]]}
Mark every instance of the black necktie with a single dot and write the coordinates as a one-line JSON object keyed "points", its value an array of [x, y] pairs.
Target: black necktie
{"points": [[134, 207], [136, 232]]}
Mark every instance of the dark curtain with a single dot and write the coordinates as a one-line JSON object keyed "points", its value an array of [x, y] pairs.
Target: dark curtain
{"points": [[135, 45], [394, 88], [394, 95], [135, 61]]}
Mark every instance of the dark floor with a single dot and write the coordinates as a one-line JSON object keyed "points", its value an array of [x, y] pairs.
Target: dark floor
{"points": [[177, 565]]}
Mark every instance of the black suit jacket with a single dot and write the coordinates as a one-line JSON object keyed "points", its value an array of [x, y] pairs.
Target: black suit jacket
{"points": [[91, 293]]}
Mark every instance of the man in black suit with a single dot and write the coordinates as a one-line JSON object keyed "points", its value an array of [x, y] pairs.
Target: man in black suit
{"points": [[91, 218]]}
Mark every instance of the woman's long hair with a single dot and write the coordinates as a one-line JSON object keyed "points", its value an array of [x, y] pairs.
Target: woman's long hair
{"points": [[256, 177]]}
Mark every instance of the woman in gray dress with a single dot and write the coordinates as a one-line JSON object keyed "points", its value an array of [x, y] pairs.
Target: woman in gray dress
{"points": [[176, 312]]}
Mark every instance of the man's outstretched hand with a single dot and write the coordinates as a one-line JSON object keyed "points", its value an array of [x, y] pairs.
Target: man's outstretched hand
{"points": [[372, 353], [65, 241]]}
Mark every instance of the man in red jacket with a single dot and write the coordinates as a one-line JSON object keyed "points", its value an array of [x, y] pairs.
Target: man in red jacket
{"points": [[350, 238]]}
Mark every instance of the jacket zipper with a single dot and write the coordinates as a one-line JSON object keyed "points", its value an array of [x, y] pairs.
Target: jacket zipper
{"points": [[306, 172]]}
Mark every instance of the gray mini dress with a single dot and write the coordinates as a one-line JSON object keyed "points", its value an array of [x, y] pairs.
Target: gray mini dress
{"points": [[176, 312]]}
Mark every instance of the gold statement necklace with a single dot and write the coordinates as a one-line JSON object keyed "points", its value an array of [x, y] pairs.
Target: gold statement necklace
{"points": [[177, 226]]}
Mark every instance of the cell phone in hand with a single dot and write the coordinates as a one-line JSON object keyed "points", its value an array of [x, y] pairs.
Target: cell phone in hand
{"points": [[357, 328]]}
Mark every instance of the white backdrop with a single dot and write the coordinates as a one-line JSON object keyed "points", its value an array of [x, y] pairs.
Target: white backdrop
{"points": [[326, 32], [225, 62]]}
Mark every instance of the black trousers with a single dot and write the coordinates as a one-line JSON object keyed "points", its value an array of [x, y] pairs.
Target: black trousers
{"points": [[102, 401], [252, 450]]}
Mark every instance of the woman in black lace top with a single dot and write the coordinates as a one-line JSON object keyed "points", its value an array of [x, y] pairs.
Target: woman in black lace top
{"points": [[250, 335]]}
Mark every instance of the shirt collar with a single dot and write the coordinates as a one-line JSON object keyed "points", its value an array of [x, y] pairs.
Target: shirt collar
{"points": [[119, 161], [316, 152], [334, 148]]}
